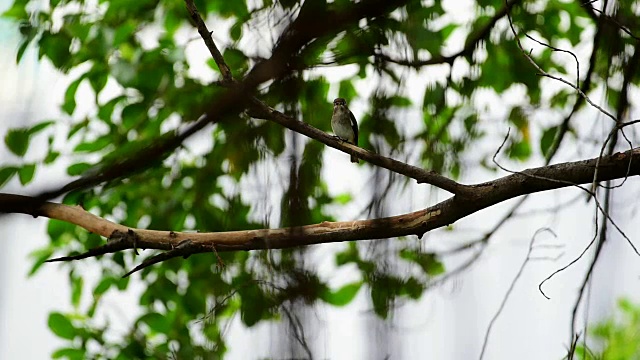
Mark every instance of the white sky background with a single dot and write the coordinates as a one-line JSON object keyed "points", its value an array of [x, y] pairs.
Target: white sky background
{"points": [[450, 320]]}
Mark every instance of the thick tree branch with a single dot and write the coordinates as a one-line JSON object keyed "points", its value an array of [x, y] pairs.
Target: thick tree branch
{"points": [[447, 212], [313, 22]]}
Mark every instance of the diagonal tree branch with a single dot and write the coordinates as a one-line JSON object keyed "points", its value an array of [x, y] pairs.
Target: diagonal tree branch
{"points": [[208, 40], [260, 110]]}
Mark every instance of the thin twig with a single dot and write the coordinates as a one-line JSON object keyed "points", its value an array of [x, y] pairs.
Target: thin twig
{"points": [[599, 206], [208, 40], [470, 44], [542, 72], [510, 289]]}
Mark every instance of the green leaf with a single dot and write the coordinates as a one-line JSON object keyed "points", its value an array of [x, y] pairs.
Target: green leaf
{"points": [[254, 302], [520, 150], [61, 326], [77, 28], [56, 228], [519, 118], [124, 32], [77, 283], [26, 173], [236, 31], [547, 139], [400, 101], [446, 31], [39, 127], [17, 140], [70, 353], [434, 95], [69, 104], [229, 8], [39, 256], [237, 61], [17, 10], [133, 114], [102, 287], [77, 127], [23, 47], [6, 173], [343, 199], [427, 261], [413, 288], [122, 283], [347, 91], [156, 322], [381, 299], [78, 169], [172, 22], [56, 48], [124, 73], [342, 296], [106, 111], [96, 145], [98, 76], [51, 157], [349, 255]]}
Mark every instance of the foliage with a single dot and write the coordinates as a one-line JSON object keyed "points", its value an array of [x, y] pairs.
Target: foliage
{"points": [[620, 339], [131, 55]]}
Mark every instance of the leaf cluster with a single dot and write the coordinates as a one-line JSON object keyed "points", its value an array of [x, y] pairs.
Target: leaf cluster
{"points": [[128, 59]]}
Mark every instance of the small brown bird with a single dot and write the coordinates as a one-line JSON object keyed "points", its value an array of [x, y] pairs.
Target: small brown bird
{"points": [[344, 124]]}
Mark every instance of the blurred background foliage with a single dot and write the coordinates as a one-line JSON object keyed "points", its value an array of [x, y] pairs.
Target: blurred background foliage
{"points": [[618, 338], [132, 56]]}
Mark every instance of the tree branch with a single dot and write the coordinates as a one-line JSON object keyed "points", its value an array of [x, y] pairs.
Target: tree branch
{"points": [[260, 110], [444, 213], [206, 36], [544, 73], [467, 50], [239, 93]]}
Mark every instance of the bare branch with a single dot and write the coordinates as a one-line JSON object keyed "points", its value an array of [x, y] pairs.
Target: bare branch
{"points": [[206, 36], [182, 249], [615, 21], [118, 241], [260, 110]]}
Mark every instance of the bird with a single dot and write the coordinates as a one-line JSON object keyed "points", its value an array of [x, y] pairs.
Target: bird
{"points": [[344, 124]]}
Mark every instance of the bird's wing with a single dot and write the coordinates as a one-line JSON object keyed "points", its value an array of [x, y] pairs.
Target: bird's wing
{"points": [[354, 126]]}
